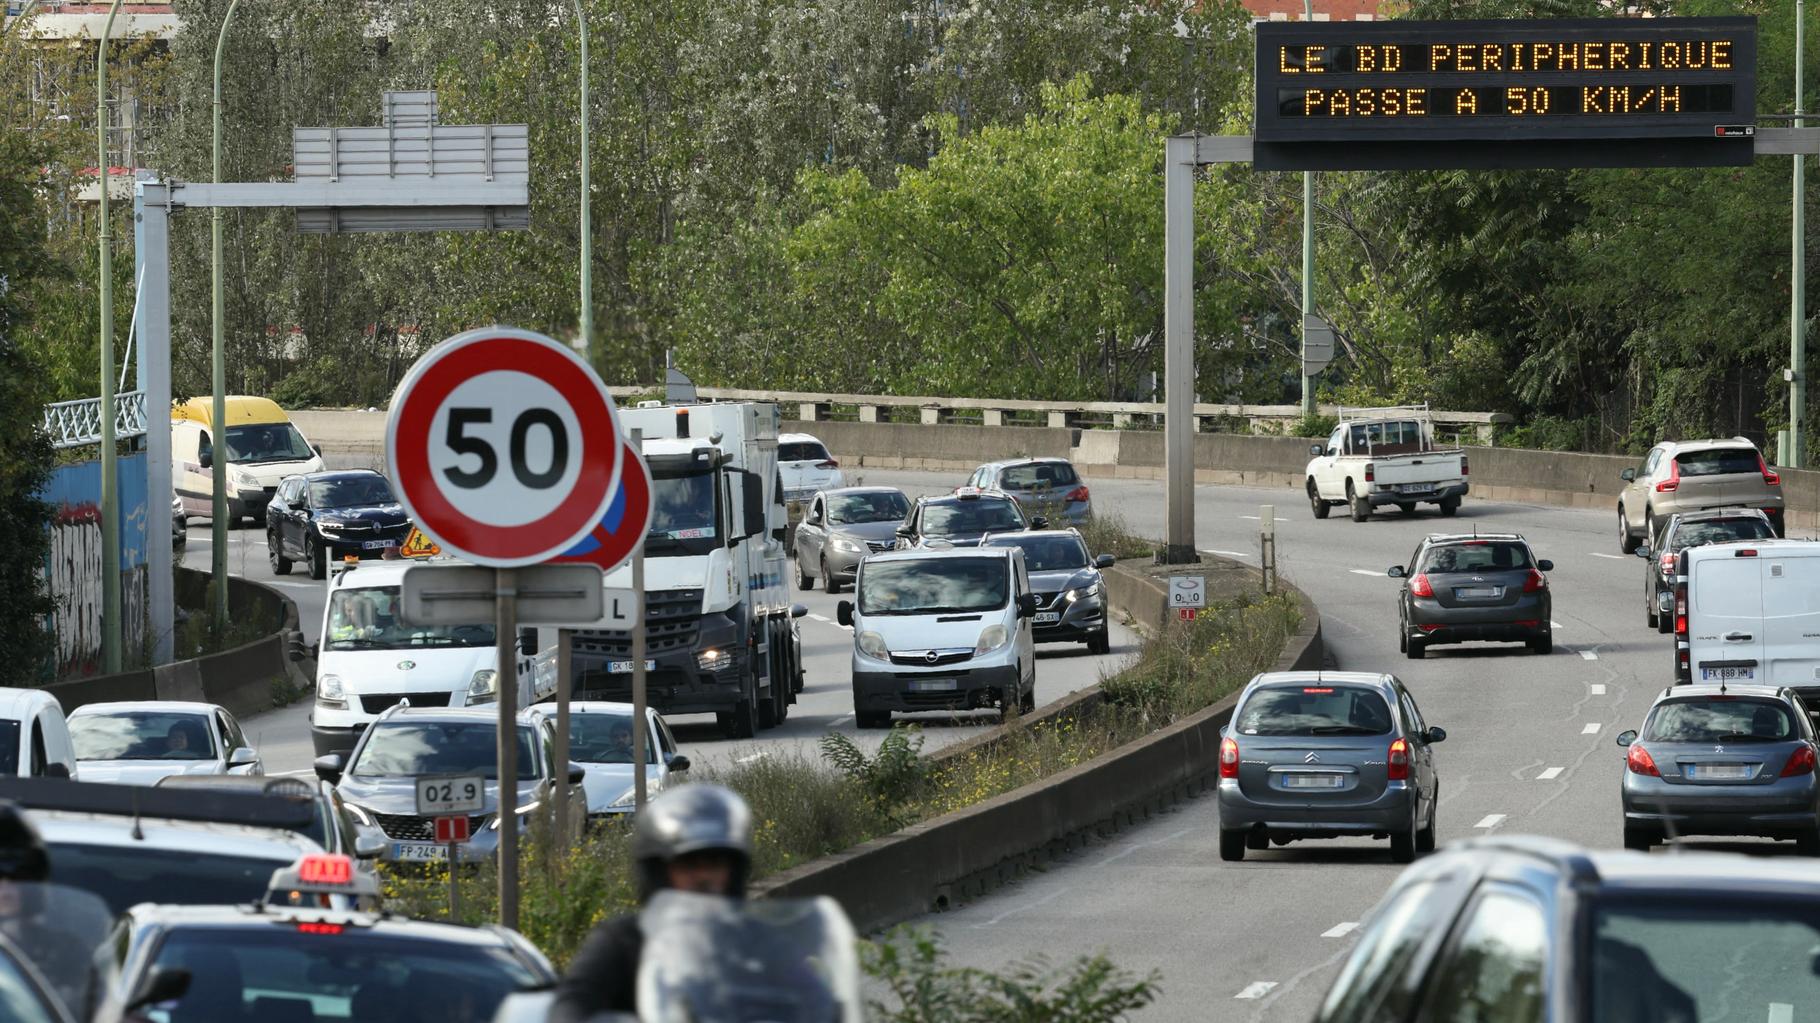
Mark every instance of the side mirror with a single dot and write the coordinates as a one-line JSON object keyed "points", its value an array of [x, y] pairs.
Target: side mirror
{"points": [[527, 642], [577, 774], [1645, 552], [1545, 565], [329, 767], [904, 532], [1039, 522], [678, 762], [1316, 450], [1027, 603], [752, 499], [1395, 572], [245, 756], [207, 460], [57, 770], [843, 613], [1628, 475], [1434, 735], [1626, 737], [798, 610], [368, 845], [163, 984], [778, 533], [1104, 561]]}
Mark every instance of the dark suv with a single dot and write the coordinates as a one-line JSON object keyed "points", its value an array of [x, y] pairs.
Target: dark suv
{"points": [[321, 516], [1526, 930], [1684, 530], [1461, 588]]}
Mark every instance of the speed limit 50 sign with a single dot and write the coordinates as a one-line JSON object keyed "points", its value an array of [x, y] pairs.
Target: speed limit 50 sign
{"points": [[504, 446]]}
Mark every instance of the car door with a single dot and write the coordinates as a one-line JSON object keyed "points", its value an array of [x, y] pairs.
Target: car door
{"points": [[300, 512], [1495, 968], [1382, 980], [1327, 477], [811, 533], [1636, 492], [1415, 565], [1428, 781]]}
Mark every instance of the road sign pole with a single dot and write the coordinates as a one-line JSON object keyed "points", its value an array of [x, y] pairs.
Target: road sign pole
{"points": [[454, 884], [507, 632], [1178, 351], [565, 691], [640, 731]]}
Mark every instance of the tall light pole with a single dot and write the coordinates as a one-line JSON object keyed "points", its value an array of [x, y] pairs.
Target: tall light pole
{"points": [[1307, 261], [1797, 313], [110, 490], [218, 514]]}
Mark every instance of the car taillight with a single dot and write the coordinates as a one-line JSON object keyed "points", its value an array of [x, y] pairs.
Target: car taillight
{"points": [[1640, 762], [1077, 494], [1229, 758], [1681, 610], [1398, 762], [1801, 761], [1534, 582], [1371, 473], [828, 464], [1668, 563], [319, 927], [1465, 469], [1420, 586], [1771, 478], [1673, 482]]}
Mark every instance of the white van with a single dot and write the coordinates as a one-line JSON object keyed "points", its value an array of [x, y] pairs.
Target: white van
{"points": [[369, 659], [34, 737], [263, 447], [1749, 611]]}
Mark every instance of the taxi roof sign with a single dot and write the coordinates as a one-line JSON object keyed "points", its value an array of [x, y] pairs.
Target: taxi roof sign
{"points": [[328, 880], [418, 545]]}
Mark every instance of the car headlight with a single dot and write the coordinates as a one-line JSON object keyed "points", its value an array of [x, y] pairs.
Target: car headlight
{"points": [[359, 813], [846, 543], [873, 645], [531, 807], [329, 525], [485, 685], [245, 479], [329, 692], [1088, 592], [991, 638], [627, 798], [713, 658]]}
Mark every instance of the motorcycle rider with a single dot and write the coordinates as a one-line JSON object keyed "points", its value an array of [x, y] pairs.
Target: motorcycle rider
{"points": [[693, 838]]}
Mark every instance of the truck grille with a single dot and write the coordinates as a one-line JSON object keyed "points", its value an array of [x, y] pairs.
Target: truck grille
{"points": [[672, 619], [921, 657], [408, 827], [378, 702]]}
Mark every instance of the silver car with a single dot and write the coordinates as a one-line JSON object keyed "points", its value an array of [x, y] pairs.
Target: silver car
{"points": [[1690, 475], [1327, 754], [1042, 486], [1722, 760], [840, 527]]}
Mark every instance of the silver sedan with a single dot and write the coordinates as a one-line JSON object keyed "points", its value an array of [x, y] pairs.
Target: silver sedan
{"points": [[843, 526]]}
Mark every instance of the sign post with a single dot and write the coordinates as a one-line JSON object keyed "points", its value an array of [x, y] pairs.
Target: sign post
{"points": [[449, 800], [640, 731]]}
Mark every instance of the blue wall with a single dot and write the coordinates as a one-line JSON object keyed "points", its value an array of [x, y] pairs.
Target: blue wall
{"points": [[73, 570]]}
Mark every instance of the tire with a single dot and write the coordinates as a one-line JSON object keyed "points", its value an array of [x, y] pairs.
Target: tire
{"points": [[828, 583], [1425, 838], [1316, 504], [1450, 506], [1100, 642], [1649, 526], [274, 553], [1402, 638], [1026, 703], [1808, 842], [316, 558], [1257, 841], [1638, 839], [1232, 846], [1406, 507], [872, 718], [742, 722], [1416, 648], [1665, 623], [1650, 615], [1543, 644], [1626, 543], [1361, 507], [804, 581], [1403, 846]]}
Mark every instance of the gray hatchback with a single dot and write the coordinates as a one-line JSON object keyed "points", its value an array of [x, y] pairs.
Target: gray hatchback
{"points": [[1722, 760], [1327, 754]]}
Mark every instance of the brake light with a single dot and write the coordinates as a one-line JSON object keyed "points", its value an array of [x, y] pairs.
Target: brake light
{"points": [[318, 927], [1747, 552], [325, 868], [1398, 761], [1229, 758], [1077, 494], [1801, 761], [1771, 478], [1534, 582], [1371, 473], [1465, 469], [1420, 586], [1639, 761], [1681, 610], [1673, 482], [1307, 689]]}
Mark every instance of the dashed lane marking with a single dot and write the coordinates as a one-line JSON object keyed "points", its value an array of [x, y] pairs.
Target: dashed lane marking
{"points": [[1554, 624], [1551, 774], [1781, 1012], [1592, 728], [1366, 571], [821, 618], [1490, 820], [1340, 930], [1598, 689], [1613, 557], [1589, 655], [760, 755], [1256, 989], [1229, 554], [839, 721]]}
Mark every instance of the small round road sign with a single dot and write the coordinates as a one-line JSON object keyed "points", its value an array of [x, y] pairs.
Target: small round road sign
{"points": [[504, 446], [628, 519]]}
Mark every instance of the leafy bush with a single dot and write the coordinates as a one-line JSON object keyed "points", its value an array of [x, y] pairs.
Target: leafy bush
{"points": [[1106, 533], [923, 988], [892, 777], [1315, 426]]}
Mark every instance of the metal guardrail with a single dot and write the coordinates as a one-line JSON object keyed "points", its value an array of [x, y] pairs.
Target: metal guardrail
{"points": [[71, 424]]}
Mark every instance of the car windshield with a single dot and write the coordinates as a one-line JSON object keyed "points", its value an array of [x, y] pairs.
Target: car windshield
{"points": [[20, 998], [413, 748], [142, 735], [1719, 462], [9, 747], [1314, 710], [1477, 556], [335, 972], [1720, 719], [1693, 534], [351, 492], [1037, 476], [964, 518], [604, 738], [682, 507], [133, 872], [267, 442], [879, 506], [1057, 552], [802, 451], [934, 586], [368, 618], [1718, 960]]}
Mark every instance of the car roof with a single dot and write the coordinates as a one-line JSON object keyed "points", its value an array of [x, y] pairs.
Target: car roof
{"points": [[996, 495], [14, 703], [1274, 679], [798, 438], [157, 706], [830, 491], [1539, 860], [1710, 514], [926, 553], [606, 707], [1711, 444], [263, 916], [488, 715], [337, 474], [997, 539], [1034, 460], [1763, 546], [72, 828], [285, 785], [1685, 690], [1470, 537]]}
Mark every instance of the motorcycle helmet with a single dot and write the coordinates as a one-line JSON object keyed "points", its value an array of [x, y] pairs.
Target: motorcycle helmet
{"points": [[690, 819]]}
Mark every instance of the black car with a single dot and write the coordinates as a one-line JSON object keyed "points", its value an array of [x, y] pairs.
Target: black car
{"points": [[1072, 594], [1461, 588], [1684, 530], [963, 519], [331, 825], [1533, 930], [321, 516]]}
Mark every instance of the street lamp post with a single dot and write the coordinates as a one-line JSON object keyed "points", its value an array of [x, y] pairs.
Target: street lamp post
{"points": [[1307, 261], [110, 491], [218, 559], [1797, 328]]}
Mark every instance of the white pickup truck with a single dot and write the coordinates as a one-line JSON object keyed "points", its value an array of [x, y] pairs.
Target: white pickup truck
{"points": [[1384, 456]]}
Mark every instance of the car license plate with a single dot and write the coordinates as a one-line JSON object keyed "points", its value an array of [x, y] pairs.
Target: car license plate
{"points": [[1478, 592], [418, 851], [1414, 488], [376, 545], [625, 667], [1313, 781], [1724, 674], [1721, 772], [1048, 617], [934, 685]]}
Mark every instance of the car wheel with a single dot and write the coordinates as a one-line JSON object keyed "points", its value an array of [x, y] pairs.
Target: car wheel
{"points": [[316, 558], [1649, 612], [1026, 703], [1416, 648], [804, 581], [1665, 623], [1403, 845], [1626, 543], [828, 583], [1315, 502], [1402, 638], [872, 718], [1232, 846], [1257, 841], [1543, 644], [1649, 526], [1406, 507], [1100, 642], [274, 552], [1425, 838], [1450, 507], [1638, 839], [1808, 842], [1361, 507]]}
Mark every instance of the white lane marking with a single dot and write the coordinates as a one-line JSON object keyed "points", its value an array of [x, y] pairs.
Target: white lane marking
{"points": [[1614, 557], [1490, 820], [1589, 655], [1340, 930], [295, 774], [1554, 624], [1781, 1012], [290, 585], [1598, 689], [760, 755], [1551, 774], [1367, 571], [1592, 728], [1253, 518], [1229, 554], [821, 618], [1256, 989], [839, 721]]}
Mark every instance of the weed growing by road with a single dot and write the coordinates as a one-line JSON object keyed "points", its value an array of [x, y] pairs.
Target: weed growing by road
{"points": [[922, 987], [1106, 533]]}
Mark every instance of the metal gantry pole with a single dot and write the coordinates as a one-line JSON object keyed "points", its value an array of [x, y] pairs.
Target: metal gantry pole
{"points": [[111, 633], [218, 555], [640, 737], [1181, 155], [1307, 261], [1797, 328], [506, 625]]}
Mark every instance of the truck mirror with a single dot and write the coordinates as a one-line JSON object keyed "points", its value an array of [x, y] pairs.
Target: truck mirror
{"points": [[206, 459], [752, 501], [527, 642], [1316, 450]]}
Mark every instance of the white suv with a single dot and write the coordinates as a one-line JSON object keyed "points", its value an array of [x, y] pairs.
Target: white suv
{"points": [[806, 467]]}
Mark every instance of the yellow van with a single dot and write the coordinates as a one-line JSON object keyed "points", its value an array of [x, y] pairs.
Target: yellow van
{"points": [[263, 447]]}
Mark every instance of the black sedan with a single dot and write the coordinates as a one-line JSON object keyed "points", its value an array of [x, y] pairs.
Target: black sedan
{"points": [[1071, 592], [1462, 588], [324, 515], [1684, 530]]}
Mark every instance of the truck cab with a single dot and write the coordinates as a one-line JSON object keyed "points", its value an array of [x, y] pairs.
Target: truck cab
{"points": [[720, 627], [1384, 456]]}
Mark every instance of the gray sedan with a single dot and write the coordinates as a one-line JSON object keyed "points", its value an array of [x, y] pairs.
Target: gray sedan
{"points": [[842, 526], [1327, 754], [1722, 760]]}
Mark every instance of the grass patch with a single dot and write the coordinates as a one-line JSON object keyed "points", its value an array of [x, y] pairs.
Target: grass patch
{"points": [[1106, 533]]}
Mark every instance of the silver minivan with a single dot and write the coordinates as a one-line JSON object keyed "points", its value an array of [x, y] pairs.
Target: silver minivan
{"points": [[942, 630]]}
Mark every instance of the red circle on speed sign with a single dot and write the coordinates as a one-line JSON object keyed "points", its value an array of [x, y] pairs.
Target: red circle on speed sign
{"points": [[504, 445]]}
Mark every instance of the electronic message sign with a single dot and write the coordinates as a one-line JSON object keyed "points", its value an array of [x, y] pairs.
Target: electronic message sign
{"points": [[1605, 92]]}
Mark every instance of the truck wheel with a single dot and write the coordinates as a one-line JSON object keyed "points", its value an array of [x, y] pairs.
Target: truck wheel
{"points": [[742, 723], [1450, 506], [1315, 503], [1361, 507], [274, 551]]}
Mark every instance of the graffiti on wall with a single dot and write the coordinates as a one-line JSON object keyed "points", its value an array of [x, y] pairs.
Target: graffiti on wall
{"points": [[72, 573]]}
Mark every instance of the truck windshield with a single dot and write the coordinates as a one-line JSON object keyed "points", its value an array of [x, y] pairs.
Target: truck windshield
{"points": [[683, 518], [367, 618], [934, 586], [266, 442]]}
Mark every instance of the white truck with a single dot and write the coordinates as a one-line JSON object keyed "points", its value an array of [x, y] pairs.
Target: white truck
{"points": [[1384, 456], [720, 629], [1748, 611]]}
